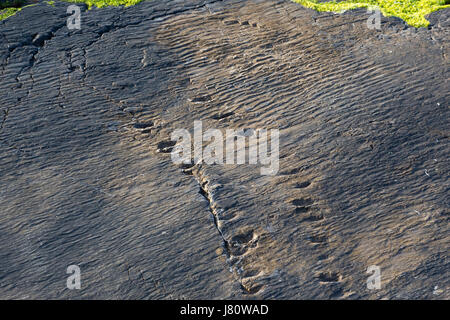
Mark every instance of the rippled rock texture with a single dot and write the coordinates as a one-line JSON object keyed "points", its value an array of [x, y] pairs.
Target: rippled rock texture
{"points": [[86, 176]]}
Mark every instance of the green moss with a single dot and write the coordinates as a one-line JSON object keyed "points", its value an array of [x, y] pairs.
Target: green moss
{"points": [[8, 12], [106, 3], [412, 11]]}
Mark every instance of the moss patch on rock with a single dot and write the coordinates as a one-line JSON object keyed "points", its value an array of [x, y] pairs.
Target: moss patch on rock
{"points": [[8, 12], [413, 12], [106, 3]]}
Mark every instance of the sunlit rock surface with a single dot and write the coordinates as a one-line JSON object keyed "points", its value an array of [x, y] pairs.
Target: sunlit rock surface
{"points": [[364, 172]]}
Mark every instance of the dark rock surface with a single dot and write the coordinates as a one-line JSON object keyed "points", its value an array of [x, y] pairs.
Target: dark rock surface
{"points": [[363, 119]]}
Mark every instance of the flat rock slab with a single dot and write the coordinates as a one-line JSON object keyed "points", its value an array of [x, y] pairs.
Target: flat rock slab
{"points": [[86, 176]]}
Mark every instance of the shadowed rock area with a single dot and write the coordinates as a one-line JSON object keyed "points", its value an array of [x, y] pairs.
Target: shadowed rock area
{"points": [[86, 176]]}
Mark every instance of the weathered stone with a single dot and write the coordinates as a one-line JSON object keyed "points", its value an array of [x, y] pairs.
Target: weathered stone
{"points": [[363, 178]]}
